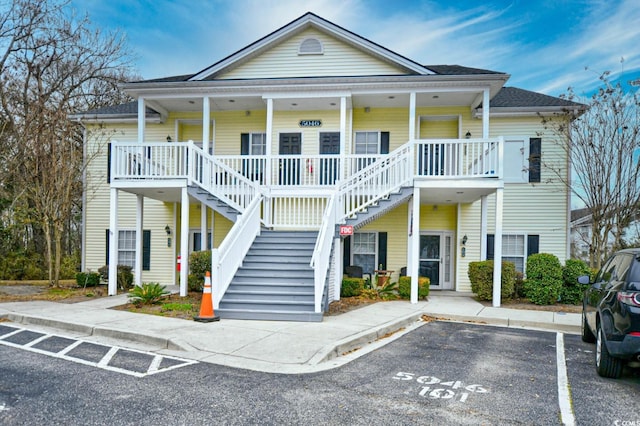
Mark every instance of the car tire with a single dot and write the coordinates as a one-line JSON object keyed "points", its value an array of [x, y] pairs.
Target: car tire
{"points": [[606, 365], [587, 334]]}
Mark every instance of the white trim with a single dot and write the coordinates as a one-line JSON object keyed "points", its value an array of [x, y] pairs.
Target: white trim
{"points": [[497, 251]]}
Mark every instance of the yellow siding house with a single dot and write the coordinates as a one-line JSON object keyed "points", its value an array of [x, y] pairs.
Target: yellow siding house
{"points": [[314, 152]]}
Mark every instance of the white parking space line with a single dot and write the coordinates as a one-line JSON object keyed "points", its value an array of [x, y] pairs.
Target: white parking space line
{"points": [[153, 368], [564, 393]]}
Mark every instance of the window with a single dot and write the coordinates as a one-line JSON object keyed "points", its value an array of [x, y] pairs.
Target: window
{"points": [[364, 251], [366, 143], [127, 248], [253, 144], [515, 248], [535, 159]]}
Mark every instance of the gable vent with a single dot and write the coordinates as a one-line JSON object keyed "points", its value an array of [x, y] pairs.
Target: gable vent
{"points": [[310, 46]]}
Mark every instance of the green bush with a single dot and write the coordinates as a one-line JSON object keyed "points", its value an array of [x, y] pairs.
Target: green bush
{"points": [[69, 266], [351, 287], [518, 288], [87, 279], [21, 265], [544, 279], [125, 276], [147, 294], [404, 287], [572, 291], [199, 264], [481, 277]]}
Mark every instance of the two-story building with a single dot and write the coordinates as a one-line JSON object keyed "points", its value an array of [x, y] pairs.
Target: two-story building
{"points": [[313, 150]]}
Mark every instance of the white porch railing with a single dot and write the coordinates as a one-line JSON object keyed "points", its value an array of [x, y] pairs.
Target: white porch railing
{"points": [[227, 258], [322, 251], [220, 180], [294, 211], [156, 160], [452, 159]]}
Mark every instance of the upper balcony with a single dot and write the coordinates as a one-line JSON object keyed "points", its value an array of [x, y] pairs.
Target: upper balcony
{"points": [[435, 163]]}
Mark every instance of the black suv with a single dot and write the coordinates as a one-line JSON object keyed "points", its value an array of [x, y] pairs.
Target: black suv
{"points": [[611, 313]]}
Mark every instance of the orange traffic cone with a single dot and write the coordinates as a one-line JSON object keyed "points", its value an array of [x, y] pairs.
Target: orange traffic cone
{"points": [[206, 306]]}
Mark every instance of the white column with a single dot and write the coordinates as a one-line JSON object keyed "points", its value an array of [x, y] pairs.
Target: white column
{"points": [[409, 235], [412, 116], [113, 242], [203, 227], [415, 246], [485, 113], [184, 241], [337, 267], [497, 251], [137, 273], [343, 137], [269, 141], [141, 119], [206, 113], [483, 227]]}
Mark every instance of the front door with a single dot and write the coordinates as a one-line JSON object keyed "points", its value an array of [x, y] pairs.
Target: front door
{"points": [[289, 167], [436, 254], [329, 145]]}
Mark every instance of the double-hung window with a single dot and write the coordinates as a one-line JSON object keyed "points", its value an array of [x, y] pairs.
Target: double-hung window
{"points": [[253, 144], [367, 143], [364, 251], [515, 248], [127, 248]]}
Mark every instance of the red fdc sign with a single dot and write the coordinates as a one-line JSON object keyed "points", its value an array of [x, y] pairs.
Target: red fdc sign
{"points": [[346, 230]]}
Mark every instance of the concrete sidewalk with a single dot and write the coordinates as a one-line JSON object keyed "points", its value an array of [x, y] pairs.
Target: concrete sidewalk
{"points": [[270, 346]]}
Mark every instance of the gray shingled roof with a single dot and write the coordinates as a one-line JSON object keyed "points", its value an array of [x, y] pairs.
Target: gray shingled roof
{"points": [[458, 70], [130, 108], [512, 97]]}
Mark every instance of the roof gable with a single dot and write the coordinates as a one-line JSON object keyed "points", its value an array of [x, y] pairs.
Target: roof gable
{"points": [[241, 63]]}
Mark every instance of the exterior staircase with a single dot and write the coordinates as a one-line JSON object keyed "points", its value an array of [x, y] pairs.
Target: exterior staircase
{"points": [[275, 281], [214, 203], [381, 207]]}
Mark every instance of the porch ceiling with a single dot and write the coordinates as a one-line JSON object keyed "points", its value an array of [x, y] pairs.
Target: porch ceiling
{"points": [[454, 192], [300, 102]]}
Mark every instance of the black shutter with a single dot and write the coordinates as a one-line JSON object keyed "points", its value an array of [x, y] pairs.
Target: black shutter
{"points": [[533, 244], [382, 250], [346, 253], [244, 144], [108, 165], [146, 250], [107, 258], [535, 156], [384, 142], [490, 243]]}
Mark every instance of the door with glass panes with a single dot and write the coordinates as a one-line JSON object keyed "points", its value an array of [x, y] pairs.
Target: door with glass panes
{"points": [[436, 259]]}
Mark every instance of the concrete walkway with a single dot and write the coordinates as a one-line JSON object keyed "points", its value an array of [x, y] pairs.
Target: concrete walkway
{"points": [[271, 346]]}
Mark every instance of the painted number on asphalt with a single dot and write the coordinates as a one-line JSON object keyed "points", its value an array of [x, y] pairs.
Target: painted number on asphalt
{"points": [[435, 387]]}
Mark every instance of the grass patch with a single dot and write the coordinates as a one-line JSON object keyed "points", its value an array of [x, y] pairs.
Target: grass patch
{"points": [[178, 307]]}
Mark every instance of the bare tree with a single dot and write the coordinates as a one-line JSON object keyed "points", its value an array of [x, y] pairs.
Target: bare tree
{"points": [[603, 149], [53, 65]]}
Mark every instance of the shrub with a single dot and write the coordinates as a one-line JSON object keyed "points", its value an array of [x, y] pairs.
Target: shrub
{"points": [[572, 291], [544, 279], [69, 266], [518, 287], [125, 276], [481, 277], [21, 265], [351, 287], [87, 279], [404, 287], [147, 294], [199, 264]]}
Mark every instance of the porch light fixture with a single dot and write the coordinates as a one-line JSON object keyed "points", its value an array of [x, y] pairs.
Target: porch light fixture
{"points": [[468, 135], [169, 138], [367, 109], [167, 229], [464, 239]]}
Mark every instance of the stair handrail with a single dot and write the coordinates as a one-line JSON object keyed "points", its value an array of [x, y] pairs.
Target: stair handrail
{"points": [[322, 251], [376, 181], [213, 175], [228, 256]]}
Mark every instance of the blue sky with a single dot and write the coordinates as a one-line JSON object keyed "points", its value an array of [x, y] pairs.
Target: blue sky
{"points": [[544, 44]]}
